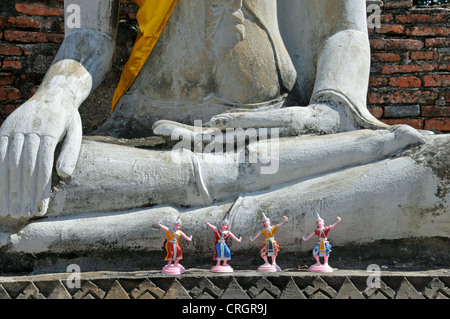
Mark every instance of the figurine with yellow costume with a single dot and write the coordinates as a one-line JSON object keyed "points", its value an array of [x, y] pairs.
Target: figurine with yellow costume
{"points": [[270, 247], [174, 252]]}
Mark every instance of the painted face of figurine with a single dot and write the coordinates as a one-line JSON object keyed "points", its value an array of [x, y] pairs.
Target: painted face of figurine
{"points": [[319, 224], [224, 227], [177, 227], [266, 223]]}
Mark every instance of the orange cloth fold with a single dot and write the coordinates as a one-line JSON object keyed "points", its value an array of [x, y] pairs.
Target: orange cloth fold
{"points": [[152, 16]]}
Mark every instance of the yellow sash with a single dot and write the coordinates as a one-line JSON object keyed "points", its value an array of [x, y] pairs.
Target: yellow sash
{"points": [[322, 246], [151, 17]]}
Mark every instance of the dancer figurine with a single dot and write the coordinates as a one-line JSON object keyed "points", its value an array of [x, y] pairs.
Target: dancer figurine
{"points": [[222, 251], [323, 247], [174, 252], [270, 247]]}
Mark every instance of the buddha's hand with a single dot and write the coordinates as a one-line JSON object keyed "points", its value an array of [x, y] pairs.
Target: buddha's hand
{"points": [[291, 121], [28, 140]]}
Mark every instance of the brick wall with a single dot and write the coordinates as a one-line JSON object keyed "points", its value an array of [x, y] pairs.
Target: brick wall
{"points": [[410, 76], [409, 82]]}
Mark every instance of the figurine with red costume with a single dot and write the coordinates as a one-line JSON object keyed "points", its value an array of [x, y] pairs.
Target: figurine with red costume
{"points": [[221, 249], [174, 252], [323, 247], [270, 247]]}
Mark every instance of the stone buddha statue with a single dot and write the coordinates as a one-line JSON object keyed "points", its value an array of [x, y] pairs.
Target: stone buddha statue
{"points": [[295, 69]]}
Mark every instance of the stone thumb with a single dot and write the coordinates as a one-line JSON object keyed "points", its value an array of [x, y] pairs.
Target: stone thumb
{"points": [[70, 150]]}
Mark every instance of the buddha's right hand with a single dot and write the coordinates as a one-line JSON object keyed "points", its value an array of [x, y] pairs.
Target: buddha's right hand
{"points": [[28, 139]]}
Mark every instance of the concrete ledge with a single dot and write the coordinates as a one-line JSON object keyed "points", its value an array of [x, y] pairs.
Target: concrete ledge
{"points": [[242, 285]]}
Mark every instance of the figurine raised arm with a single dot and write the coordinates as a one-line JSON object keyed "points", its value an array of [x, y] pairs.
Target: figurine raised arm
{"points": [[323, 247], [270, 247], [174, 252], [222, 252]]}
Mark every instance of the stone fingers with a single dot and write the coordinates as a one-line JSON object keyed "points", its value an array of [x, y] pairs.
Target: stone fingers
{"points": [[26, 163], [70, 150], [273, 118], [44, 177], [29, 174], [283, 119], [15, 174], [176, 131]]}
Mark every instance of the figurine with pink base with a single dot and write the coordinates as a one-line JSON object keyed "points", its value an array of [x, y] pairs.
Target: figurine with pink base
{"points": [[270, 247], [221, 249], [174, 252], [323, 247]]}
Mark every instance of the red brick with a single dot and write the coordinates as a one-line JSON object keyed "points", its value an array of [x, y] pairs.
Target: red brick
{"points": [[386, 57], [396, 4], [427, 31], [444, 67], [420, 55], [7, 109], [376, 111], [405, 82], [439, 124], [387, 18], [9, 94], [415, 123], [391, 29], [403, 97], [7, 79], [377, 81], [59, 25], [12, 64], [408, 68], [33, 37], [23, 22], [435, 111], [400, 44], [447, 96], [437, 42], [436, 80], [38, 10], [10, 50], [421, 18]]}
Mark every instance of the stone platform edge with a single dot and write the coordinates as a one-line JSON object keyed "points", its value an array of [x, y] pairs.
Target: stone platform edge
{"points": [[243, 285]]}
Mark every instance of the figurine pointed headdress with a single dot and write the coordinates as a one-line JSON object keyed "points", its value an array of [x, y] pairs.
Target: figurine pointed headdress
{"points": [[319, 219], [265, 218], [178, 221], [225, 220]]}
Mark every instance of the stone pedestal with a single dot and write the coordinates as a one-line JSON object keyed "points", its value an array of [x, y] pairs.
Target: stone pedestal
{"points": [[243, 285]]}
